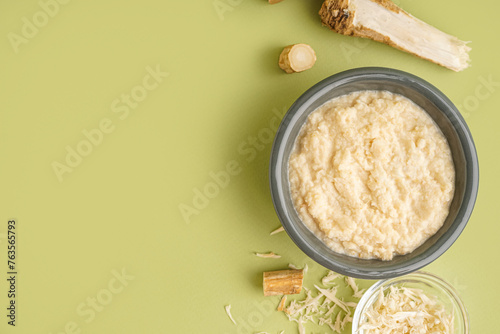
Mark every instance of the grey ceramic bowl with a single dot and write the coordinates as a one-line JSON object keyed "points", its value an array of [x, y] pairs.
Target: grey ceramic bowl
{"points": [[446, 116]]}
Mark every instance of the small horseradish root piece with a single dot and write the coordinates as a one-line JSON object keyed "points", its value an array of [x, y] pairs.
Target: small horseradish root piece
{"points": [[297, 58], [283, 282], [383, 21]]}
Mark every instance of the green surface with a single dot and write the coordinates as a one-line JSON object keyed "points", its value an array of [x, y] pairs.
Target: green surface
{"points": [[120, 206]]}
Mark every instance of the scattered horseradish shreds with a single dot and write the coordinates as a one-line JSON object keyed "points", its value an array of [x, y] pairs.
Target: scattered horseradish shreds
{"points": [[281, 305], [269, 255], [357, 293], [323, 307], [292, 266], [228, 312], [406, 310], [278, 230]]}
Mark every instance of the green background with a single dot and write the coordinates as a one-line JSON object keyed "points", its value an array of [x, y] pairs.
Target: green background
{"points": [[119, 209]]}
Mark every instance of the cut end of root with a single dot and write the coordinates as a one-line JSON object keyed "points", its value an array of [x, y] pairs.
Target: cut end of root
{"points": [[297, 58]]}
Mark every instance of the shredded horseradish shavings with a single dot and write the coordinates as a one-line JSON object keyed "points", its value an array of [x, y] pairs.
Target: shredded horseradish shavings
{"points": [[329, 278], [350, 281], [282, 303], [407, 310], [278, 230], [228, 311], [322, 306], [292, 266], [269, 255]]}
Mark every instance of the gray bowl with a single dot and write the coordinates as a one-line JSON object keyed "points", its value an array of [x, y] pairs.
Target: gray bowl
{"points": [[446, 116]]}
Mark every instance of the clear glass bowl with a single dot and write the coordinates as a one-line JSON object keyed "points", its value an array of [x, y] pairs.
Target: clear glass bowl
{"points": [[429, 283]]}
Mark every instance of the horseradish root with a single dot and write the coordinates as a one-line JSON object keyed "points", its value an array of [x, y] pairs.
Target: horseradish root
{"points": [[297, 58], [383, 21], [283, 282]]}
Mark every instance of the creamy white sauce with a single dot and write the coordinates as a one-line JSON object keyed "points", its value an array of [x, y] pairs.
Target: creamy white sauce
{"points": [[372, 175]]}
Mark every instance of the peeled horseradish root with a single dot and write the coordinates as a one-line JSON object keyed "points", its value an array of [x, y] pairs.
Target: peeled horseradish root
{"points": [[297, 58], [383, 21]]}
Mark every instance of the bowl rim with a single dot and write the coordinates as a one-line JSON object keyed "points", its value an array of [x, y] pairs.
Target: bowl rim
{"points": [[442, 103], [420, 276]]}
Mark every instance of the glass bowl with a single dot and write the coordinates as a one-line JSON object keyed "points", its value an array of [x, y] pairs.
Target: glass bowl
{"points": [[430, 284], [445, 115]]}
